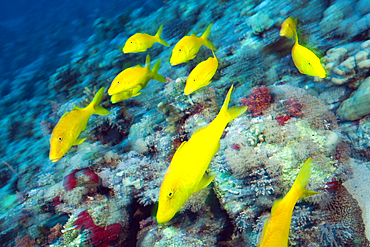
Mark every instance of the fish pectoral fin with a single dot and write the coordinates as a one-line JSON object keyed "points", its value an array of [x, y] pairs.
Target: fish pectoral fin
{"points": [[265, 225], [206, 180], [78, 141], [206, 83], [307, 193], [136, 89], [276, 204], [77, 108]]}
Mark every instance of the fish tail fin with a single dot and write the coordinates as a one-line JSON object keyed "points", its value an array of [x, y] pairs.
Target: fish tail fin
{"points": [[155, 69], [159, 38], [233, 112], [302, 179], [295, 36], [95, 103], [147, 61], [205, 36]]}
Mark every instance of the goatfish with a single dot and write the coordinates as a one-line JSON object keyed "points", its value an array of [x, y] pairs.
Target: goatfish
{"points": [[201, 75], [65, 133], [186, 173], [140, 42], [187, 48], [305, 60], [134, 79], [276, 229]]}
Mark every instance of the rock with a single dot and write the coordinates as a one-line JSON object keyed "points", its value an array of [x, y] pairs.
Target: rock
{"points": [[359, 189], [332, 140], [357, 106]]}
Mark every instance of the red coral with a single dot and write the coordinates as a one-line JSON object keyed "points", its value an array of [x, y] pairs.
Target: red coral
{"points": [[259, 99], [70, 180], [56, 201], [281, 120], [99, 236], [235, 147], [292, 108], [333, 185]]}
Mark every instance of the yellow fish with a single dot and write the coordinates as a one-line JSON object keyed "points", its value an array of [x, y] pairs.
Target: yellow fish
{"points": [[140, 42], [201, 75], [276, 230], [287, 28], [122, 96], [70, 125], [134, 79], [305, 60], [188, 47], [187, 172]]}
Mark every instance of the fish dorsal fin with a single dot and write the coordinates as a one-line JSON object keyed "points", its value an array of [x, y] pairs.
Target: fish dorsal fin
{"points": [[276, 204], [265, 225], [193, 35], [65, 114], [77, 108], [204, 182]]}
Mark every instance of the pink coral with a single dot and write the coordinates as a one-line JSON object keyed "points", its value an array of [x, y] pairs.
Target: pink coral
{"points": [[259, 99]]}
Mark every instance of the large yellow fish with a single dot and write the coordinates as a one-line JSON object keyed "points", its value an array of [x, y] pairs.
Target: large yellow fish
{"points": [[187, 172], [305, 60], [201, 75], [140, 42], [66, 132], [276, 230], [188, 47], [134, 79]]}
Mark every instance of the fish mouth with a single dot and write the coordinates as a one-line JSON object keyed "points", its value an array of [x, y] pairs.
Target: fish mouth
{"points": [[54, 160], [187, 92], [161, 219]]}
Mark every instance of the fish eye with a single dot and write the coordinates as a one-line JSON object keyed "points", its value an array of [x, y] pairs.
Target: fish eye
{"points": [[60, 139], [179, 49], [117, 82], [170, 193]]}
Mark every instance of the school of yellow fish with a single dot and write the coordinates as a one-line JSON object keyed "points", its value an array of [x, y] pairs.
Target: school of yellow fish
{"points": [[187, 172]]}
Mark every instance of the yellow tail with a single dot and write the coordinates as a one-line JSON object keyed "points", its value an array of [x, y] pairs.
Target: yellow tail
{"points": [[95, 103], [233, 112], [159, 34], [205, 36], [302, 179]]}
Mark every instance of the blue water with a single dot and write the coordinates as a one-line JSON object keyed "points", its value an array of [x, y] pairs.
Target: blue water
{"points": [[105, 191]]}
